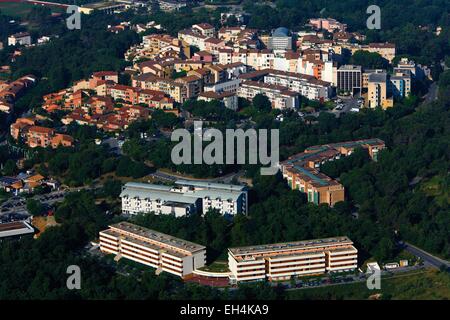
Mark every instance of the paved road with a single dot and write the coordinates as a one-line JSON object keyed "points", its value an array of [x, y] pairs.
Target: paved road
{"points": [[428, 258]]}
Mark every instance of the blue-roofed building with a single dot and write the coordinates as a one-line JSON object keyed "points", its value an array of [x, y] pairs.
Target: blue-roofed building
{"points": [[281, 39]]}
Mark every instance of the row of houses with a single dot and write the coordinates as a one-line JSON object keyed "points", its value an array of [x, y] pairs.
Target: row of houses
{"points": [[302, 171], [33, 136], [11, 91], [25, 182]]}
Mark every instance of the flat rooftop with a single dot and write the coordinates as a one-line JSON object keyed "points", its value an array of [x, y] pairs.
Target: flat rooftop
{"points": [[156, 236], [175, 194], [210, 185], [297, 245], [16, 228]]}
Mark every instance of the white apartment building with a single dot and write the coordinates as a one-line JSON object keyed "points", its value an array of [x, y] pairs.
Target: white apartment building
{"points": [[257, 59], [280, 97], [226, 86], [306, 85], [204, 29], [155, 249], [185, 198], [281, 261], [192, 38]]}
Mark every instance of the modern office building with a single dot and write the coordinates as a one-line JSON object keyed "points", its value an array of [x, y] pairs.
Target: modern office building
{"points": [[302, 170], [155, 249], [349, 79], [281, 39], [281, 261], [184, 198]]}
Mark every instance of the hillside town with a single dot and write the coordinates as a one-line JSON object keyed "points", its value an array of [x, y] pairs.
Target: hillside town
{"points": [[95, 153]]}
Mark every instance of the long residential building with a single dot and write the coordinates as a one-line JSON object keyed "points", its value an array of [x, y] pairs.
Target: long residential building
{"points": [[302, 170], [279, 96], [185, 198], [155, 249], [306, 85], [281, 261]]}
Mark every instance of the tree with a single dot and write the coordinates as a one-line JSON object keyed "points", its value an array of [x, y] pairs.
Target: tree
{"points": [[34, 207], [262, 103], [369, 60], [9, 168]]}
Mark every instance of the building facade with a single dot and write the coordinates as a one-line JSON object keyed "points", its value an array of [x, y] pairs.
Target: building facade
{"points": [[155, 249], [302, 170], [349, 78], [279, 96], [185, 198], [282, 261]]}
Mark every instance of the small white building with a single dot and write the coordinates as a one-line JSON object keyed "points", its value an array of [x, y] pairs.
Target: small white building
{"points": [[21, 39]]}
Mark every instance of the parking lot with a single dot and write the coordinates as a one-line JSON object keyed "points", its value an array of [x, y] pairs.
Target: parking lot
{"points": [[15, 209]]}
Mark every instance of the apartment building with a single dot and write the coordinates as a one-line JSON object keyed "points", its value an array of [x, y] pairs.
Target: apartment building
{"points": [[229, 99], [302, 170], [176, 90], [401, 83], [349, 79], [43, 137], [257, 59], [225, 86], [152, 248], [204, 29], [306, 85], [192, 38], [124, 93], [378, 94], [280, 97], [329, 24], [282, 261], [184, 198], [106, 76]]}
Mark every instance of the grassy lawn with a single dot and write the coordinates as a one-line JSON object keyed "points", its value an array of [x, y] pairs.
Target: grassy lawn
{"points": [[419, 285], [438, 187], [217, 266]]}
